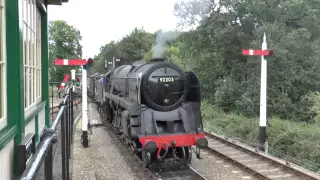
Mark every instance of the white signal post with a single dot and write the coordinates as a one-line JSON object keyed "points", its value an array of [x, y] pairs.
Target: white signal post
{"points": [[263, 98], [263, 90], [73, 78], [84, 65], [84, 137], [114, 60], [106, 64]]}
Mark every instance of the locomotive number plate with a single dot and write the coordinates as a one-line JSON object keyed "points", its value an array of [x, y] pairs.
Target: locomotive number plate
{"points": [[166, 79]]}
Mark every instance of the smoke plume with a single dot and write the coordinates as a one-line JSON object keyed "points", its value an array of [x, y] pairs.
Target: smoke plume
{"points": [[162, 38]]}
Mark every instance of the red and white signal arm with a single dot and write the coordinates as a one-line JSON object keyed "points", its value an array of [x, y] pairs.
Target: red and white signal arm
{"points": [[257, 52], [65, 79], [70, 62]]}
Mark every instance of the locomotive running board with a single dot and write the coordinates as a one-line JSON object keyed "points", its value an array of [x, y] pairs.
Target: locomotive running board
{"points": [[132, 107]]}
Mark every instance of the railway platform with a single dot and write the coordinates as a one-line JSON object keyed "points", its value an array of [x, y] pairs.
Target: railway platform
{"points": [[105, 158]]}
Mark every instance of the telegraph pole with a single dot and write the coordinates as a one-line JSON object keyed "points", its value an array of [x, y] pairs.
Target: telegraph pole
{"points": [[263, 91]]}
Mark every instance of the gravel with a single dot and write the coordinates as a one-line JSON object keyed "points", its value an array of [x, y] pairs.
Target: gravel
{"points": [[105, 158], [214, 167]]}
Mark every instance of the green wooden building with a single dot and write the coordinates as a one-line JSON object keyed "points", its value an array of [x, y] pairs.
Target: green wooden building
{"points": [[24, 101]]}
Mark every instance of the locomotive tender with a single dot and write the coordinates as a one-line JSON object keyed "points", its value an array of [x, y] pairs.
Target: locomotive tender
{"points": [[156, 109]]}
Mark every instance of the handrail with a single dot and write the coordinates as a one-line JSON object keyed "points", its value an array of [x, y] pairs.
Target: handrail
{"points": [[57, 119], [44, 150]]}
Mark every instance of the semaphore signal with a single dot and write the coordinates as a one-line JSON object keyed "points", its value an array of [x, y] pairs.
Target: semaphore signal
{"points": [[70, 62], [256, 52], [263, 90], [84, 64], [65, 79]]}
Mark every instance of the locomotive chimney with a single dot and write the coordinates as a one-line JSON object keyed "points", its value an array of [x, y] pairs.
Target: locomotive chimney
{"points": [[158, 59]]}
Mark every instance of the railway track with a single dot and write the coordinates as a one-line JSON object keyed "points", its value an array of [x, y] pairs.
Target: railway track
{"points": [[256, 162], [158, 172], [177, 174]]}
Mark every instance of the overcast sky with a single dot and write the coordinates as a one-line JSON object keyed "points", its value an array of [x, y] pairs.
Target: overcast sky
{"points": [[101, 21]]}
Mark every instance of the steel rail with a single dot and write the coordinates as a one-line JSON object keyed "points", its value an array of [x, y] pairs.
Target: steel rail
{"points": [[290, 167]]}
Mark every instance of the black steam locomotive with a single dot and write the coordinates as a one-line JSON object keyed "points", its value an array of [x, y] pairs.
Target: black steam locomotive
{"points": [[155, 107]]}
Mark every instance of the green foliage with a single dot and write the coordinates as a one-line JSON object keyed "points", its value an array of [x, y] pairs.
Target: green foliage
{"points": [[131, 48], [64, 42], [231, 80], [148, 56], [294, 139]]}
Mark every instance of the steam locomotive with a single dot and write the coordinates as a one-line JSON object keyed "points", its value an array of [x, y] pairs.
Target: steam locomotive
{"points": [[155, 107]]}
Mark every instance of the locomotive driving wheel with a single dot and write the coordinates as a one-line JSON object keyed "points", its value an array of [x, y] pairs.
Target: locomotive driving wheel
{"points": [[188, 151], [146, 157]]}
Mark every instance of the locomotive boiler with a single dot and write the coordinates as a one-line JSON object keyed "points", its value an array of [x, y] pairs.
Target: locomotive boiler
{"points": [[156, 108]]}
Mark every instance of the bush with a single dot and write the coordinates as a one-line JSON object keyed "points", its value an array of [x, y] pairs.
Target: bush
{"points": [[299, 141]]}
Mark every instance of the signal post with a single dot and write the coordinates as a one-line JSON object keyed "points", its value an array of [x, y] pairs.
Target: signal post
{"points": [[84, 64], [263, 91], [114, 60], [73, 78]]}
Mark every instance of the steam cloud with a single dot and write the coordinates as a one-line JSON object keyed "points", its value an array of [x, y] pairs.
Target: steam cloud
{"points": [[161, 39]]}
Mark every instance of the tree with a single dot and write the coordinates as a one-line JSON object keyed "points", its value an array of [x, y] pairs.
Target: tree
{"points": [[230, 80], [135, 45], [131, 48], [64, 42]]}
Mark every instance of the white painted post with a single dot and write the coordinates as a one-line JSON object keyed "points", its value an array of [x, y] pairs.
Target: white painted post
{"points": [[106, 64], [84, 136], [263, 96], [113, 62], [263, 146], [73, 78]]}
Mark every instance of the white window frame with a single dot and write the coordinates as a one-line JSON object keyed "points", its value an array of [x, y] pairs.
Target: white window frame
{"points": [[3, 66], [31, 20]]}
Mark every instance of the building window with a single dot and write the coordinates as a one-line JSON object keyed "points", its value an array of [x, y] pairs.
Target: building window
{"points": [[3, 84], [31, 53]]}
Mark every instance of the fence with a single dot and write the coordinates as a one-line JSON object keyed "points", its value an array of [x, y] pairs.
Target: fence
{"points": [[44, 151]]}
